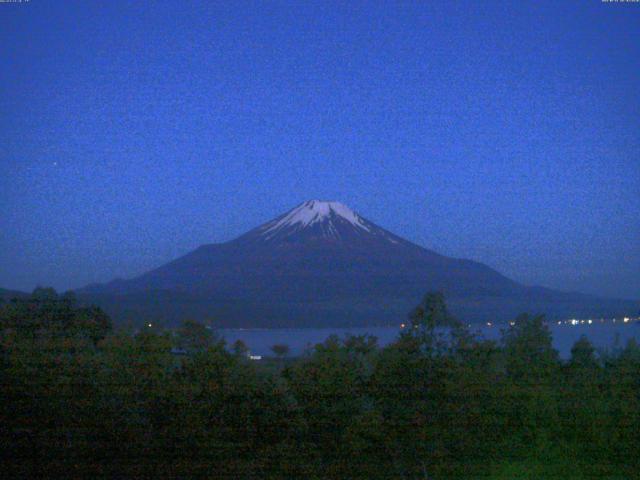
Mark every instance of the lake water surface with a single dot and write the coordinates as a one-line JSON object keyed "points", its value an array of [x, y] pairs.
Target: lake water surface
{"points": [[603, 336]]}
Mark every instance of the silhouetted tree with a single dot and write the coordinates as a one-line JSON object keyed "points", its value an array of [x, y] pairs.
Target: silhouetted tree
{"points": [[528, 348], [432, 329], [280, 350], [240, 348], [361, 344], [583, 353], [194, 336]]}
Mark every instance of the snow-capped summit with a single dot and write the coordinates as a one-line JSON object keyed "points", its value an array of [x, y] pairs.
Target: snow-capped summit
{"points": [[312, 212], [318, 219]]}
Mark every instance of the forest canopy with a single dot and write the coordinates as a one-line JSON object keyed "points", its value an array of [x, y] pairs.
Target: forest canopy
{"points": [[82, 400]]}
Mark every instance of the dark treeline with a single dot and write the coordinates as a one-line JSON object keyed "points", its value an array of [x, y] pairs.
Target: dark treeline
{"points": [[80, 400]]}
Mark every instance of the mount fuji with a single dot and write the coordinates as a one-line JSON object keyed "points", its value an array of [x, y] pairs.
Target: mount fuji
{"points": [[322, 264]]}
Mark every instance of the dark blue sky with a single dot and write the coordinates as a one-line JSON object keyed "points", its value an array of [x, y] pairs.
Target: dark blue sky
{"points": [[503, 131]]}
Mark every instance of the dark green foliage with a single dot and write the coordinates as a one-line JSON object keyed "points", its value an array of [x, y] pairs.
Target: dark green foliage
{"points": [[46, 314], [361, 344], [528, 349], [195, 337], [432, 329], [431, 312], [239, 348], [80, 402], [330, 386], [583, 354]]}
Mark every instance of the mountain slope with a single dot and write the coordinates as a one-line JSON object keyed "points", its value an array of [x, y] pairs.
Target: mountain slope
{"points": [[7, 295], [323, 264]]}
